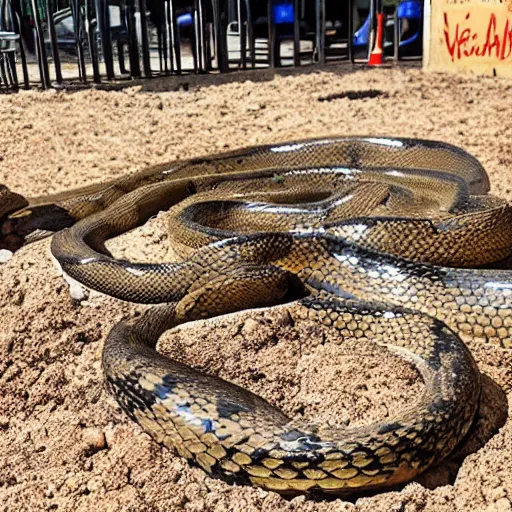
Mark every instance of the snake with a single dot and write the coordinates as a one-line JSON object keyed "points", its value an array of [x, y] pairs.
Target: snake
{"points": [[383, 239]]}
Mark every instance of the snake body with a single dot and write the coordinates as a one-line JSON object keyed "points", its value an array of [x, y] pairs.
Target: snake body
{"points": [[369, 251]]}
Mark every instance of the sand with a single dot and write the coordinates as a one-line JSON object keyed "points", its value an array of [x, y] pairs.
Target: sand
{"points": [[64, 443]]}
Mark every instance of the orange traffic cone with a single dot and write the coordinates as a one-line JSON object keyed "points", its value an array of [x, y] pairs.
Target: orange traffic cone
{"points": [[376, 57]]}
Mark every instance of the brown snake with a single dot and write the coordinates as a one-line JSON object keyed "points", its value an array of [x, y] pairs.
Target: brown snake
{"points": [[364, 232]]}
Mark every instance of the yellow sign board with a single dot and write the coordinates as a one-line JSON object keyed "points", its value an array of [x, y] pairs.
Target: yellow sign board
{"points": [[470, 35]]}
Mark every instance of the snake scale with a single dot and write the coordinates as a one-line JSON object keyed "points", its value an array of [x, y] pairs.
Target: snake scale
{"points": [[367, 235]]}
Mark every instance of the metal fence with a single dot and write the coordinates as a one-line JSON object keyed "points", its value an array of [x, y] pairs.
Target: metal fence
{"points": [[59, 42]]}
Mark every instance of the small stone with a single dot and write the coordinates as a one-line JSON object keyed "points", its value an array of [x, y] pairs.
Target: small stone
{"points": [[261, 493], [95, 440], [250, 326], [5, 255], [192, 491], [72, 484], [93, 485], [255, 107], [76, 290], [110, 436], [502, 505], [298, 500]]}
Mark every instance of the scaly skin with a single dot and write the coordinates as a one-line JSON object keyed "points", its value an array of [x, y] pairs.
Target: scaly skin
{"points": [[371, 210], [57, 211]]}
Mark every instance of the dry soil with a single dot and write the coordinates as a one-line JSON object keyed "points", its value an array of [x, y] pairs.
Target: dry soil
{"points": [[65, 445]]}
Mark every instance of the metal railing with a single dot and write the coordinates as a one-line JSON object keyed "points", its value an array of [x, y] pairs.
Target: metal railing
{"points": [[93, 41]]}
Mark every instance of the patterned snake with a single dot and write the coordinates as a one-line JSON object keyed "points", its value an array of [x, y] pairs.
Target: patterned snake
{"points": [[364, 234]]}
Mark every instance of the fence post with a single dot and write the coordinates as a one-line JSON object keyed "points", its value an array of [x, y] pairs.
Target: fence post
{"points": [[271, 36], [350, 43], [202, 33], [133, 46], [146, 61], [91, 41], [167, 44], [77, 21], [107, 41], [320, 30], [175, 36], [53, 40], [371, 38], [196, 52], [396, 37], [220, 38], [242, 34], [40, 48], [17, 28], [296, 34]]}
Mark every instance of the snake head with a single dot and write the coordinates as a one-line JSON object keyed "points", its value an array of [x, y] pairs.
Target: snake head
{"points": [[9, 202], [21, 223]]}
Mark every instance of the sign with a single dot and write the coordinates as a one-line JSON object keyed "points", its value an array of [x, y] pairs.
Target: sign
{"points": [[470, 35]]}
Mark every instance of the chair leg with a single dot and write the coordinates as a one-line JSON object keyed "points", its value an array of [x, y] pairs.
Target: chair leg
{"points": [[12, 59], [277, 52], [250, 36], [160, 45], [208, 48], [3, 75], [120, 56], [195, 52], [175, 37], [9, 70]]}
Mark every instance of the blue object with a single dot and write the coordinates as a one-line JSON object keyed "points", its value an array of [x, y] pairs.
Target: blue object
{"points": [[410, 9], [362, 34], [283, 13], [413, 10], [185, 19]]}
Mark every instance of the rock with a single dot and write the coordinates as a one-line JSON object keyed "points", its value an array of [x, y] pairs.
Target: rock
{"points": [[50, 491], [93, 485], [298, 500], [76, 290], [250, 326], [94, 439], [502, 505], [254, 107], [110, 436], [5, 255], [72, 484]]}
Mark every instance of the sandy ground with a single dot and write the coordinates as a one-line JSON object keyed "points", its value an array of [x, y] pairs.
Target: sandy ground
{"points": [[64, 444]]}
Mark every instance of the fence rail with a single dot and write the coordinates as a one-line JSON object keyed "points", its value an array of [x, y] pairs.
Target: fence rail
{"points": [[54, 42]]}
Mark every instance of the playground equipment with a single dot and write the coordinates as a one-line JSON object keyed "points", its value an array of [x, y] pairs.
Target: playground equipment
{"points": [[402, 33], [377, 54]]}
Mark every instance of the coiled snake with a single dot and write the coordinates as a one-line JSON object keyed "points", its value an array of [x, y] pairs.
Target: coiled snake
{"points": [[367, 235]]}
